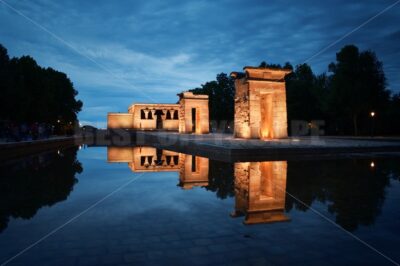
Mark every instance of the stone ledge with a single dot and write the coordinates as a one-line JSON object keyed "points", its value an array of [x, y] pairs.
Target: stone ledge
{"points": [[11, 150], [224, 147]]}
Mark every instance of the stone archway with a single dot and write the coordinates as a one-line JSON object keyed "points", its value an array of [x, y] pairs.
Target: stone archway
{"points": [[266, 123], [193, 113], [159, 119], [260, 103]]}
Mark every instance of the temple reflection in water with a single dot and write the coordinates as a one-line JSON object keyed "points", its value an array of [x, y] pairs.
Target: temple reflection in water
{"points": [[259, 186], [260, 191], [193, 170]]}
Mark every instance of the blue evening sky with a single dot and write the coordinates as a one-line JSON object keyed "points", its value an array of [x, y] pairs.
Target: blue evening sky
{"points": [[121, 52]]}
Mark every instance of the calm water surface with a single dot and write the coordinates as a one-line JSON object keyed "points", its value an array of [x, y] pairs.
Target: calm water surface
{"points": [[144, 206]]}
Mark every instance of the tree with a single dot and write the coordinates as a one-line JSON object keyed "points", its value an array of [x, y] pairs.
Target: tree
{"points": [[221, 179], [266, 65], [358, 85], [391, 113], [350, 189], [221, 94], [4, 79], [27, 187], [30, 93], [305, 92]]}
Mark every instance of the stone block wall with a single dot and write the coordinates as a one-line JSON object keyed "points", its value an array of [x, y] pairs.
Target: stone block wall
{"points": [[144, 116], [194, 171], [260, 103], [187, 102], [242, 110], [151, 124], [260, 191], [119, 120], [119, 154]]}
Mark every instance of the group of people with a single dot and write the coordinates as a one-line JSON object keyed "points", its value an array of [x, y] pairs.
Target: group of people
{"points": [[12, 131]]}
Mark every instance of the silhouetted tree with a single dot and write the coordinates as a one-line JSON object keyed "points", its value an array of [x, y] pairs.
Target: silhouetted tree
{"points": [[306, 94], [266, 65], [30, 93], [4, 79], [27, 185], [391, 113], [221, 94], [358, 85], [352, 190], [221, 179]]}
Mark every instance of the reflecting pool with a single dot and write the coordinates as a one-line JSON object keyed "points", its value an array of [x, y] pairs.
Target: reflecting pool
{"points": [[147, 206]]}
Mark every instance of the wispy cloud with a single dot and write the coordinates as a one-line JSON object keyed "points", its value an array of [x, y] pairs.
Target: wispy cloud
{"points": [[159, 48]]}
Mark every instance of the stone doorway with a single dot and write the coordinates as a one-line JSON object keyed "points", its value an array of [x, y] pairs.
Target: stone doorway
{"points": [[260, 103], [266, 123], [193, 113], [194, 120], [267, 185], [159, 121]]}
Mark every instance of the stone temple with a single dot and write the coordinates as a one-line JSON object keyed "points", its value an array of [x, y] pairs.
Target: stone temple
{"points": [[260, 103], [190, 115], [260, 109]]}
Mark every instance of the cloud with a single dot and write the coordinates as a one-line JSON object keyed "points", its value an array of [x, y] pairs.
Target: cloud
{"points": [[151, 50]]}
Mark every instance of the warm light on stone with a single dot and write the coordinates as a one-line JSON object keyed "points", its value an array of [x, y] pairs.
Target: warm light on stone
{"points": [[190, 115], [260, 187], [260, 103], [193, 113], [260, 190], [155, 116], [193, 170]]}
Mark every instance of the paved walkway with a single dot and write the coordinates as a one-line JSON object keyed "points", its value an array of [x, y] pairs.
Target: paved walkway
{"points": [[227, 141], [24, 142], [224, 146], [9, 150]]}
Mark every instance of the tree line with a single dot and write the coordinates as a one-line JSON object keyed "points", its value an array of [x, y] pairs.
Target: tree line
{"points": [[351, 98], [34, 94]]}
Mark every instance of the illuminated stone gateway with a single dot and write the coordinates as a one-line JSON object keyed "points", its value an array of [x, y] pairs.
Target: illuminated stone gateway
{"points": [[260, 103], [190, 115]]}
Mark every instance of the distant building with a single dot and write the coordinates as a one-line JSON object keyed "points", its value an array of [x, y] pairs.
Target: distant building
{"points": [[190, 115], [260, 103]]}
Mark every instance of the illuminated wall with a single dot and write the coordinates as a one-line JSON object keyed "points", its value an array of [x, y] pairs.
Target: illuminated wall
{"points": [[118, 120], [146, 116], [193, 170], [260, 190], [191, 115], [119, 154], [260, 103], [149, 159]]}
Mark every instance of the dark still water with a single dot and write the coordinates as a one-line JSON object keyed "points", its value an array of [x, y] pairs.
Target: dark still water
{"points": [[144, 206]]}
